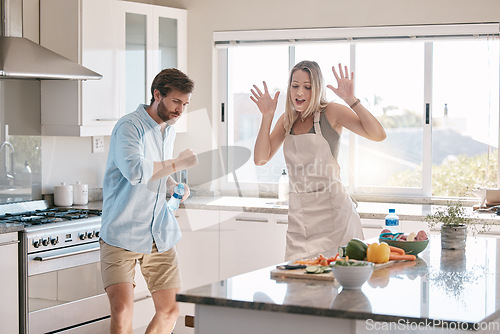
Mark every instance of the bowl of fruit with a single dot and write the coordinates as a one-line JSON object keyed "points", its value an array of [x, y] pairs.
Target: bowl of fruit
{"points": [[413, 243]]}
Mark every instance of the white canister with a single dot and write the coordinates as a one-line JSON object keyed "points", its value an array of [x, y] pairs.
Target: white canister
{"points": [[80, 193], [63, 195]]}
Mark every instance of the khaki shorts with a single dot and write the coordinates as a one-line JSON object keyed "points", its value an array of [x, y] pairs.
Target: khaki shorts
{"points": [[160, 270]]}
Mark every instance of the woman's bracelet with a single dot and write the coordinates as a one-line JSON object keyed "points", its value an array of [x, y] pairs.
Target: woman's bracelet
{"points": [[354, 104]]}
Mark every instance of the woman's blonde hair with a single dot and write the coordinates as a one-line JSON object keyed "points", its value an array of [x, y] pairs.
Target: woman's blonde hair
{"points": [[318, 94]]}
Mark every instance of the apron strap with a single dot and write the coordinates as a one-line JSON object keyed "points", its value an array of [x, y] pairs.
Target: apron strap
{"points": [[317, 128]]}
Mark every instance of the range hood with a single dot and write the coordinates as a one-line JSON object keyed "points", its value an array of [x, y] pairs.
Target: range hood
{"points": [[21, 58]]}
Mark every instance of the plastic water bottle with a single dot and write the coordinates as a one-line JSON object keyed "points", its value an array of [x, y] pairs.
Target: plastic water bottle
{"points": [[175, 200], [26, 175], [283, 187], [392, 221]]}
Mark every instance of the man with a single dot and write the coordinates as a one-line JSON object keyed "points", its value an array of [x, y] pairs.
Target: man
{"points": [[136, 224]]}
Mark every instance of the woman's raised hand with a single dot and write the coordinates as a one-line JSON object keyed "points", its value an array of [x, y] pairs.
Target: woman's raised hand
{"points": [[266, 104], [345, 85]]}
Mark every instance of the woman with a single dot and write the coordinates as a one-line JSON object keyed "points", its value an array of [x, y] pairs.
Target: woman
{"points": [[321, 214]]}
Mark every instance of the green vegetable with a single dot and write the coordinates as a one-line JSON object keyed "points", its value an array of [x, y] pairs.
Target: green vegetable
{"points": [[317, 269], [341, 251], [350, 263], [356, 249]]}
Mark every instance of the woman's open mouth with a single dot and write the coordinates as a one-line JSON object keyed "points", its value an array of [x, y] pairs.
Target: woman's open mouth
{"points": [[299, 102]]}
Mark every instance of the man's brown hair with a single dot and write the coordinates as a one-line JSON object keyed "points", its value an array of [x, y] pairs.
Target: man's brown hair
{"points": [[171, 78]]}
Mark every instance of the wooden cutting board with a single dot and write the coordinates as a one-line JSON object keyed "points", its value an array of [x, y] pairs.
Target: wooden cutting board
{"points": [[301, 273]]}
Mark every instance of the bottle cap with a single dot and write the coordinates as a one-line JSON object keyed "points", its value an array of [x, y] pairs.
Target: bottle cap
{"points": [[181, 185], [392, 210], [283, 172]]}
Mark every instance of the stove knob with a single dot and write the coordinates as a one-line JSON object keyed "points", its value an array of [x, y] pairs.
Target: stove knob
{"points": [[83, 236], [45, 242], [54, 241], [97, 234], [36, 243], [90, 235]]}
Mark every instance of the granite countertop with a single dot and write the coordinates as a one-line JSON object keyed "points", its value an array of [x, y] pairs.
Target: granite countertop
{"points": [[440, 286], [366, 210], [94, 205], [8, 228]]}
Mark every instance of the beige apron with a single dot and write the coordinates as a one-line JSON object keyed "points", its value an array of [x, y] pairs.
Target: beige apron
{"points": [[321, 214]]}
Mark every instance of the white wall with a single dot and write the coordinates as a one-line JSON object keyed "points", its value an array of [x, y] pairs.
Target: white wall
{"points": [[207, 16], [70, 159]]}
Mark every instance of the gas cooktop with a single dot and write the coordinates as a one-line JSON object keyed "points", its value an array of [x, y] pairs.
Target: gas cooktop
{"points": [[49, 215], [38, 213]]}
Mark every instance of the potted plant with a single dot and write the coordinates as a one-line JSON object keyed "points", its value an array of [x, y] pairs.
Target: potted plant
{"points": [[455, 220]]}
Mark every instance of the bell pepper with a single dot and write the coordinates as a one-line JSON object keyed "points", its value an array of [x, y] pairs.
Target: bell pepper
{"points": [[378, 253], [356, 249]]}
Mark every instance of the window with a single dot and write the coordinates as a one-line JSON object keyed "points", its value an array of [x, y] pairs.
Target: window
{"points": [[465, 116], [248, 66], [435, 89]]}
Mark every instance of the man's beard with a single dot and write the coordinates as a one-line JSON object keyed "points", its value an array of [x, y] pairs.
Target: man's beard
{"points": [[166, 116]]}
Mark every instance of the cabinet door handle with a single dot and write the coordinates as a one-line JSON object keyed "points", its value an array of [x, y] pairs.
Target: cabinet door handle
{"points": [[282, 222], [222, 112], [106, 119], [9, 243], [427, 113], [371, 226], [142, 298], [255, 220]]}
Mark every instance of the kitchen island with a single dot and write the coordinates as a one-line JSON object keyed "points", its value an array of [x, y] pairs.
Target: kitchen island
{"points": [[442, 291]]}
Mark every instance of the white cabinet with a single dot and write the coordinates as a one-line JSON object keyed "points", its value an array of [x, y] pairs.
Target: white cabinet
{"points": [[372, 227], [154, 38], [198, 250], [198, 253], [408, 226], [86, 32], [9, 303], [250, 241], [127, 43]]}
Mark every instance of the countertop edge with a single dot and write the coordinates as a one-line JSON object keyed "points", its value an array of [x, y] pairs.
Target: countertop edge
{"points": [[313, 311]]}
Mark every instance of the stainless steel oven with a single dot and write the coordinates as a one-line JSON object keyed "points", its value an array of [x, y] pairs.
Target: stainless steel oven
{"points": [[60, 276], [64, 285]]}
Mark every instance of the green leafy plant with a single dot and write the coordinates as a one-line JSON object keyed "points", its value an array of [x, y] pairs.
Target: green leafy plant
{"points": [[454, 214], [451, 215]]}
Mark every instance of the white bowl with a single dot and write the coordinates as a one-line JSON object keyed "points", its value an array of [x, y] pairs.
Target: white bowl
{"points": [[353, 277]]}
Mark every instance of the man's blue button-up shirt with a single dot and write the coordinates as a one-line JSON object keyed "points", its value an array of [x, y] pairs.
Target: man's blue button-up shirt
{"points": [[134, 210]]}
